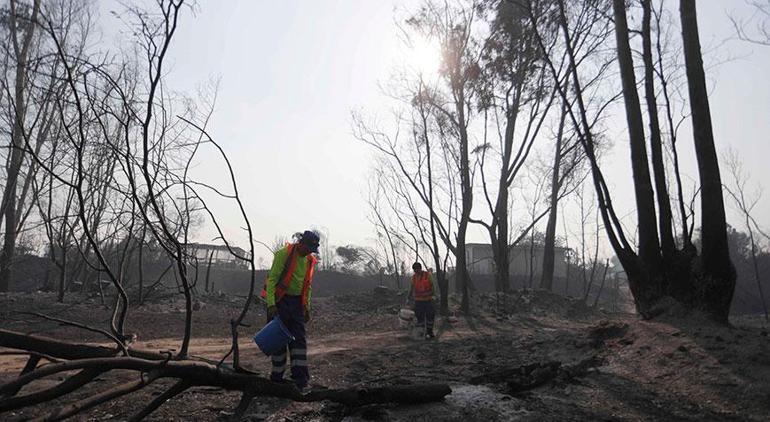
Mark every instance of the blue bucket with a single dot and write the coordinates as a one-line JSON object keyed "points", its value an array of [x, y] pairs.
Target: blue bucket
{"points": [[273, 337]]}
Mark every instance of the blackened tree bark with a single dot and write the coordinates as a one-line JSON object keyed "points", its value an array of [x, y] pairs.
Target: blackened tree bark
{"points": [[685, 230], [649, 245], [9, 210], [668, 246], [631, 262], [466, 189], [717, 282], [549, 246], [514, 91]]}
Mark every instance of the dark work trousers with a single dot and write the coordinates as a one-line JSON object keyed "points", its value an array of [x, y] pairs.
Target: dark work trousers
{"points": [[292, 314], [425, 313]]}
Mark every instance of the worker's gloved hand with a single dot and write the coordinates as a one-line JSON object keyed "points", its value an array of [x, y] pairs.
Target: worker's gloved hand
{"points": [[307, 315], [272, 311]]}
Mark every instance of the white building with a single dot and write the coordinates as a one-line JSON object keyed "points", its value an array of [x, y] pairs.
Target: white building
{"points": [[219, 254], [480, 260]]}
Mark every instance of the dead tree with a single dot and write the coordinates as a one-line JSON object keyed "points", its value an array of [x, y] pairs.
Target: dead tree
{"points": [[665, 225], [414, 229], [415, 170], [666, 60], [515, 92], [111, 122], [453, 26], [737, 191], [22, 33], [716, 273], [651, 267], [601, 287], [709, 284], [384, 229], [756, 29], [549, 244]]}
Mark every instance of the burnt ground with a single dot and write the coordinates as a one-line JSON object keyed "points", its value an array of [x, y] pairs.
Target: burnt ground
{"points": [[668, 369]]}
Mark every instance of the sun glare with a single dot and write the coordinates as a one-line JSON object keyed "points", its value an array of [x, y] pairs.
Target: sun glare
{"points": [[424, 57]]}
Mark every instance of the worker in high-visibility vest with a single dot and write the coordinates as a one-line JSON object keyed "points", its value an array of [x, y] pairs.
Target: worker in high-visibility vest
{"points": [[287, 293], [423, 290]]}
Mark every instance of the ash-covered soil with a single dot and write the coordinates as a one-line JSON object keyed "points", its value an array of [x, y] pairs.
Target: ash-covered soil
{"points": [[604, 366]]}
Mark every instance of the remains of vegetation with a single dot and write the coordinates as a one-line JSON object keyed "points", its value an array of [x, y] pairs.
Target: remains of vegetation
{"points": [[103, 152]]}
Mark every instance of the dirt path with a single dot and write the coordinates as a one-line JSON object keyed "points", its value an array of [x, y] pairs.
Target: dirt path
{"points": [[215, 348], [663, 370]]}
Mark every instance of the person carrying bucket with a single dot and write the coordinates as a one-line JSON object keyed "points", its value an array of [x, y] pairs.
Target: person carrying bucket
{"points": [[287, 293], [423, 290]]}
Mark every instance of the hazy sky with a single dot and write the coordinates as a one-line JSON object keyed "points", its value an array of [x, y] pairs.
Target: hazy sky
{"points": [[291, 72]]}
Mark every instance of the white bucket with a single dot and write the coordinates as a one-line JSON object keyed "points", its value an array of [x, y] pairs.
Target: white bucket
{"points": [[405, 318]]}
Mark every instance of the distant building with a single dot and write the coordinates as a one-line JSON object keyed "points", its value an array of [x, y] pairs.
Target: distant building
{"points": [[480, 260], [219, 254]]}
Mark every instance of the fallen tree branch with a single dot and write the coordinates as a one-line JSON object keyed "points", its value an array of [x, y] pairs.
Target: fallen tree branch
{"points": [[30, 366], [202, 373], [64, 349], [24, 352], [92, 360], [67, 386], [243, 406], [167, 395], [75, 324], [97, 399]]}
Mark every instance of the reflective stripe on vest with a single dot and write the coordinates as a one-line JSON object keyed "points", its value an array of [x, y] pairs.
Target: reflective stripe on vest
{"points": [[423, 288], [308, 281]]}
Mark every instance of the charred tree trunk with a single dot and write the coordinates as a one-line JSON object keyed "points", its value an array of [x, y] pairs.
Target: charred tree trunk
{"points": [[461, 271], [461, 274], [755, 265], [717, 283], [668, 246], [443, 287], [208, 271], [687, 246], [16, 152], [549, 246], [62, 276], [502, 262], [601, 287], [649, 245], [140, 298]]}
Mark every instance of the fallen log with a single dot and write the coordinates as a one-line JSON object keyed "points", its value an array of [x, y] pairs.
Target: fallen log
{"points": [[66, 349], [65, 387], [90, 360], [73, 409], [205, 374]]}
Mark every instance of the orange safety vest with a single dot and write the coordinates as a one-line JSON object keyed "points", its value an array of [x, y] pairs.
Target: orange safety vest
{"points": [[423, 288], [288, 270]]}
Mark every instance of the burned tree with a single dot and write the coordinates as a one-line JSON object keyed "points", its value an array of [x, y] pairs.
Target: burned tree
{"points": [[22, 34], [110, 114], [716, 273], [410, 176], [703, 282], [516, 93], [745, 203]]}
